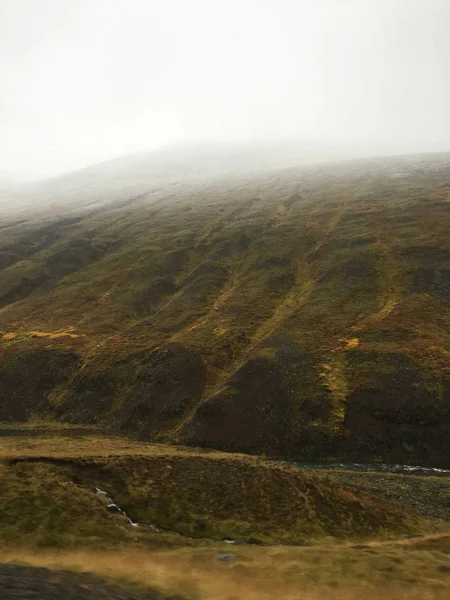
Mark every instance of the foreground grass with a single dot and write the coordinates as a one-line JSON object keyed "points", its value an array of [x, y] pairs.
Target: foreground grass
{"points": [[96, 445], [353, 545], [395, 571]]}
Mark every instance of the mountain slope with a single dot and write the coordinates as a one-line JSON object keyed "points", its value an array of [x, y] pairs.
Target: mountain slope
{"points": [[303, 313]]}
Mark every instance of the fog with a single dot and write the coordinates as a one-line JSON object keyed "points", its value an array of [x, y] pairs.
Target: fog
{"points": [[84, 81]]}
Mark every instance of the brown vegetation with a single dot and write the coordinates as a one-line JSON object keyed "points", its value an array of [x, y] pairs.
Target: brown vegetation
{"points": [[303, 314], [400, 571], [48, 484]]}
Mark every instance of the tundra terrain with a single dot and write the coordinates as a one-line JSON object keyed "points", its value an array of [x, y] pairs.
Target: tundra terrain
{"points": [[302, 313]]}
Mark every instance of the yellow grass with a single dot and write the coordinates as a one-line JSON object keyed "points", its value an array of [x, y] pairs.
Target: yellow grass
{"points": [[388, 571], [96, 446], [9, 336], [51, 335], [351, 343]]}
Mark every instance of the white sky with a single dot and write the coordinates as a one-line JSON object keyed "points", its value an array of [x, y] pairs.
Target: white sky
{"points": [[85, 80]]}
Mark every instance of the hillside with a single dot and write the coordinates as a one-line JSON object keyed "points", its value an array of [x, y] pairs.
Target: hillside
{"points": [[48, 497], [292, 529], [303, 313]]}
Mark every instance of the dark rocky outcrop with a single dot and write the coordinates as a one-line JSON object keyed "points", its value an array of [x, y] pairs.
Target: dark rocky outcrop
{"points": [[27, 378], [397, 413]]}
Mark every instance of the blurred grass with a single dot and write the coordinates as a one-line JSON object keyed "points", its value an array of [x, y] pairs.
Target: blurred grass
{"points": [[395, 571]]}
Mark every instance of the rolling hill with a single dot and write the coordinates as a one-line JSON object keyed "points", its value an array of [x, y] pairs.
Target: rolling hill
{"points": [[302, 312]]}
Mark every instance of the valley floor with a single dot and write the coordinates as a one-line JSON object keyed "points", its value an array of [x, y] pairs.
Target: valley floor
{"points": [[51, 518]]}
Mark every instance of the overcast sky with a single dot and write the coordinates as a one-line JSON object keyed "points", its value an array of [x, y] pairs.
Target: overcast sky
{"points": [[85, 80]]}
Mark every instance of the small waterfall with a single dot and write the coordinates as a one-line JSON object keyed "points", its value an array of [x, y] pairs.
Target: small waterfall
{"points": [[113, 507]]}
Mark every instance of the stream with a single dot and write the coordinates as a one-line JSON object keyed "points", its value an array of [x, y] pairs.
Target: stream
{"points": [[331, 466], [360, 467], [113, 507], [370, 468]]}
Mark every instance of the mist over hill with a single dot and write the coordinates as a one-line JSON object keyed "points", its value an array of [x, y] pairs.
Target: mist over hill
{"points": [[121, 178], [211, 299]]}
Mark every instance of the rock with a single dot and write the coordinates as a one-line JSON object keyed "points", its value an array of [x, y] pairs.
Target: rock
{"points": [[226, 557], [114, 508], [35, 583]]}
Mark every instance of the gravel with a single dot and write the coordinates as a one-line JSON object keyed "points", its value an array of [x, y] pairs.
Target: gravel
{"points": [[31, 583]]}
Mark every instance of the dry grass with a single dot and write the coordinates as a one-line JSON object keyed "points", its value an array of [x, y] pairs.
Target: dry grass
{"points": [[9, 336], [416, 568], [198, 493], [390, 571], [93, 446], [54, 335]]}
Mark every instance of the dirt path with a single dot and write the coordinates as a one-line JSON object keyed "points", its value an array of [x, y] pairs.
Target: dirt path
{"points": [[32, 583]]}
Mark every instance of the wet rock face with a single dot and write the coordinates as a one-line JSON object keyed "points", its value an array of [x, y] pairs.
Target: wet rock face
{"points": [[28, 378]]}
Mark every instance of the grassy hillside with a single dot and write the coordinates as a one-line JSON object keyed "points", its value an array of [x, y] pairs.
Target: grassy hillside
{"points": [[48, 497], [343, 543], [303, 313]]}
